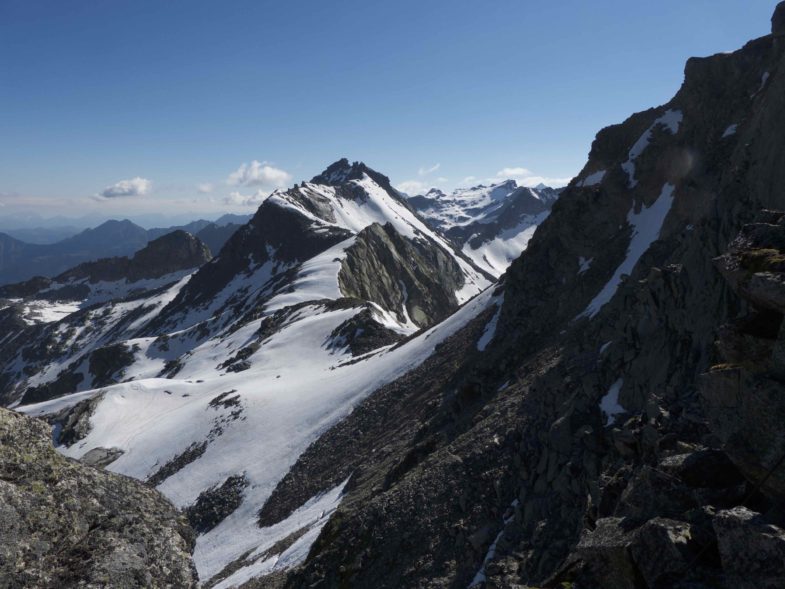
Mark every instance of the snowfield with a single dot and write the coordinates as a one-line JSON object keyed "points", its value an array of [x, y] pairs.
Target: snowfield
{"points": [[236, 385], [295, 390], [493, 223]]}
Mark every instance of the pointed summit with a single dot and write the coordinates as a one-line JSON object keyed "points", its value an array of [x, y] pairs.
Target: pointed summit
{"points": [[342, 172]]}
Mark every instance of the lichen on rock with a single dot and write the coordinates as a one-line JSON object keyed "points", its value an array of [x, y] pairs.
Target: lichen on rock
{"points": [[65, 524]]}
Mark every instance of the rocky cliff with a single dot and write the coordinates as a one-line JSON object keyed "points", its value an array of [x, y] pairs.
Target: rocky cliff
{"points": [[583, 446], [64, 524]]}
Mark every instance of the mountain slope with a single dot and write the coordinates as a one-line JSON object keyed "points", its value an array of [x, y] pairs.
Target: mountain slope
{"points": [[265, 346], [570, 438], [492, 224]]}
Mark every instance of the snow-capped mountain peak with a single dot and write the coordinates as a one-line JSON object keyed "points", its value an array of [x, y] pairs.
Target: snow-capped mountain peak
{"points": [[492, 223]]}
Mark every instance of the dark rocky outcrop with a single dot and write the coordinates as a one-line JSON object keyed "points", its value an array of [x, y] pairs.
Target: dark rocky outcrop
{"points": [[752, 550], [216, 504], [73, 423], [778, 20], [106, 364], [745, 396], [170, 253], [413, 277], [64, 524], [342, 171], [363, 333], [267, 237]]}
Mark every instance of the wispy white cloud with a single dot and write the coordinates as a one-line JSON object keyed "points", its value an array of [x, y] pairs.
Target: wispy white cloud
{"points": [[246, 200], [412, 187], [133, 187], [259, 174], [514, 173], [425, 171], [205, 188]]}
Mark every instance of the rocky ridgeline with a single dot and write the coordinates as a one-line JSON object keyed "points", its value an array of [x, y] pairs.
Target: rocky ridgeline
{"points": [[64, 524], [170, 253]]}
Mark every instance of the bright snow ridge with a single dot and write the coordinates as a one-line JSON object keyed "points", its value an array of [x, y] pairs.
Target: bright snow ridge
{"points": [[671, 121], [380, 207], [646, 226]]}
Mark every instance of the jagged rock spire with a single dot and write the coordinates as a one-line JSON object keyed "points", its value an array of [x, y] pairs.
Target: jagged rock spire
{"points": [[342, 171]]}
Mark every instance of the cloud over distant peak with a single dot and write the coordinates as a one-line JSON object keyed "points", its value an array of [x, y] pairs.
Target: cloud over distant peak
{"points": [[246, 200], [525, 177], [133, 187], [261, 174], [514, 173]]}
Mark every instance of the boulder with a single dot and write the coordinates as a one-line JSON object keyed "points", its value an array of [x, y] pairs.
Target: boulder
{"points": [[662, 550], [616, 555], [752, 551], [65, 524], [652, 493], [605, 556], [744, 411], [703, 469]]}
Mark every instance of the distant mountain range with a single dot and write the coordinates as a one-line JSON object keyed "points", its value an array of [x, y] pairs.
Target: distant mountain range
{"points": [[492, 224], [20, 260]]}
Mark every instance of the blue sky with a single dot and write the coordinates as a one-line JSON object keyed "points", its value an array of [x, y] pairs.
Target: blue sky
{"points": [[157, 104]]}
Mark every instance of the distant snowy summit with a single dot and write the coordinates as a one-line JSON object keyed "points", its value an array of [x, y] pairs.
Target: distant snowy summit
{"points": [[492, 224]]}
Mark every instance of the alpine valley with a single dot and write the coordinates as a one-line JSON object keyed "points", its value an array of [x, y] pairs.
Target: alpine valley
{"points": [[500, 387]]}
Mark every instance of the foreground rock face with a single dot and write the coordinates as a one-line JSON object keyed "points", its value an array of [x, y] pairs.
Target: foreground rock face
{"points": [[744, 397], [63, 524], [751, 549]]}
